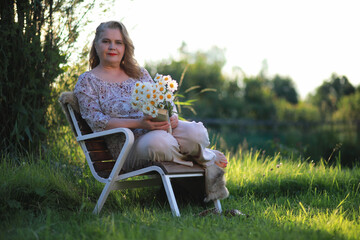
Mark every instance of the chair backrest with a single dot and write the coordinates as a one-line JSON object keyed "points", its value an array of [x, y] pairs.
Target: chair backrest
{"points": [[97, 154]]}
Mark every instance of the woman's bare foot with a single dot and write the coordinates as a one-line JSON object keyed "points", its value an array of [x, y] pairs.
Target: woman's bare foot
{"points": [[221, 160]]}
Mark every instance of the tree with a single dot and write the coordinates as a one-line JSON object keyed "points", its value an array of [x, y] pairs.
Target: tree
{"points": [[349, 108], [259, 99], [34, 38], [328, 95], [301, 112], [284, 88]]}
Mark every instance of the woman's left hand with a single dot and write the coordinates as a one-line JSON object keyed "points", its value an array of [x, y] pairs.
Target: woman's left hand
{"points": [[174, 120]]}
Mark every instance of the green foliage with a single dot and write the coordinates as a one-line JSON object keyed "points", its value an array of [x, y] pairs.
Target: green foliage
{"points": [[284, 88], [65, 82], [349, 108], [231, 103], [34, 37], [259, 99], [301, 112], [330, 93]]}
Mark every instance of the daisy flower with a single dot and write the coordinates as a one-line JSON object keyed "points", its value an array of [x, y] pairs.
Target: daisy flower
{"points": [[147, 87], [158, 77], [138, 98], [135, 105], [153, 100], [161, 88], [154, 112], [147, 109], [136, 91], [167, 78], [155, 96], [161, 82], [161, 97], [169, 96], [138, 84], [172, 85], [148, 96]]}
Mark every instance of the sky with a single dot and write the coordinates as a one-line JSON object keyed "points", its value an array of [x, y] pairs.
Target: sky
{"points": [[306, 40]]}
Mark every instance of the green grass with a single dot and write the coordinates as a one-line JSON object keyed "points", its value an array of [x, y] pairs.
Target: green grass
{"points": [[53, 198]]}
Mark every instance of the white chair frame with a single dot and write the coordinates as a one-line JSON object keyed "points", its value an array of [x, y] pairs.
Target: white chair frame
{"points": [[117, 181]]}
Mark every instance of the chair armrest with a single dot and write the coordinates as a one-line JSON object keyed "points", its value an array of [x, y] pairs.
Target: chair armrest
{"points": [[119, 162], [128, 134]]}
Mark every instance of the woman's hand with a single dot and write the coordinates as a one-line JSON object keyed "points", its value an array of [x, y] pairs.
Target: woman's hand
{"points": [[174, 121], [146, 123]]}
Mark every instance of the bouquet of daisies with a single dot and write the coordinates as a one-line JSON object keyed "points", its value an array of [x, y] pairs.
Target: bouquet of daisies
{"points": [[155, 98]]}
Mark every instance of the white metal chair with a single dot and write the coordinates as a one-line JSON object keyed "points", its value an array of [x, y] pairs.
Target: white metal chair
{"points": [[108, 171]]}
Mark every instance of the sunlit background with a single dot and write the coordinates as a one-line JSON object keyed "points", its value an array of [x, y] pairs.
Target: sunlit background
{"points": [[306, 40]]}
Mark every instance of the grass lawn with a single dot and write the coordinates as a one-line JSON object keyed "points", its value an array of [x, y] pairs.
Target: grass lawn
{"points": [[285, 199]]}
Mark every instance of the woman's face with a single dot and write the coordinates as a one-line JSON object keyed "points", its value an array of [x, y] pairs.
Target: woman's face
{"points": [[110, 47]]}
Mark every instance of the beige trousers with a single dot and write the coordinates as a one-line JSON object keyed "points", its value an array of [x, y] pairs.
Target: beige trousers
{"points": [[188, 141]]}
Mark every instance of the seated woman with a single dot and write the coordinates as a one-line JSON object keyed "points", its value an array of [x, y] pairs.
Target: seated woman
{"points": [[104, 96]]}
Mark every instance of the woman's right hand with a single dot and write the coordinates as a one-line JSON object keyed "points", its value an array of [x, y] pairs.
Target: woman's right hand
{"points": [[150, 125]]}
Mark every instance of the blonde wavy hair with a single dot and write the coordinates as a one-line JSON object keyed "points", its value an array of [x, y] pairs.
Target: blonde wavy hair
{"points": [[128, 63]]}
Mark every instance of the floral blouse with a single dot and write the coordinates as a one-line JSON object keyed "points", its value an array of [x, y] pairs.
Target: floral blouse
{"points": [[100, 100]]}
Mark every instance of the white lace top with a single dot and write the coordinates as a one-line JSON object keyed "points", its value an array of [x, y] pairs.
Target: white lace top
{"points": [[100, 100]]}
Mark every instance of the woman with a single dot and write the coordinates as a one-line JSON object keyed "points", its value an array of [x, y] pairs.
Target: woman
{"points": [[104, 95]]}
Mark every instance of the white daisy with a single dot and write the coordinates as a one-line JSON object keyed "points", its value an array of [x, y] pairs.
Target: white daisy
{"points": [[147, 96], [172, 85], [155, 97], [161, 88], [135, 97], [135, 105], [167, 78], [138, 84], [147, 87], [169, 96], [158, 77], [136, 91], [147, 109], [161, 97], [161, 83], [154, 112]]}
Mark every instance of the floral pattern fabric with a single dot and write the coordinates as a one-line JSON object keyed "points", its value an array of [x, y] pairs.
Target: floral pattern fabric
{"points": [[100, 101]]}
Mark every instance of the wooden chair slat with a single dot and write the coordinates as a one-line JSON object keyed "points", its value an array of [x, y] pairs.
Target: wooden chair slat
{"points": [[103, 166], [100, 155], [174, 168], [84, 127], [104, 174], [86, 131], [97, 144]]}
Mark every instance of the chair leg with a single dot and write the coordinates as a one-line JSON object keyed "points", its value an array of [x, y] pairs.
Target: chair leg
{"points": [[170, 195], [218, 205], [104, 194]]}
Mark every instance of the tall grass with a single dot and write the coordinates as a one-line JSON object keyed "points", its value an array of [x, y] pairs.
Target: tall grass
{"points": [[286, 199]]}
